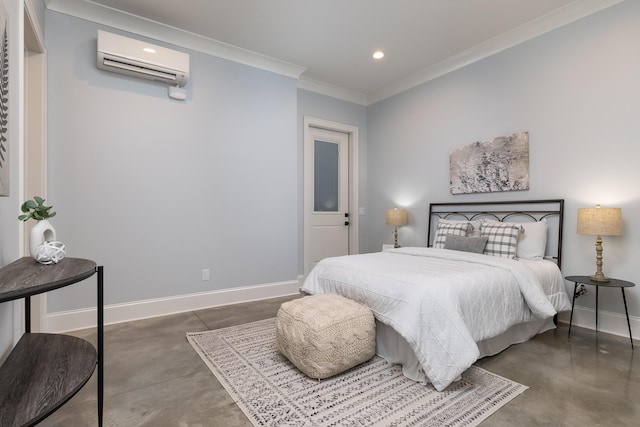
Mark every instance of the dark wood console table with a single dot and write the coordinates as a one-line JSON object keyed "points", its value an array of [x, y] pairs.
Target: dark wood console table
{"points": [[44, 371]]}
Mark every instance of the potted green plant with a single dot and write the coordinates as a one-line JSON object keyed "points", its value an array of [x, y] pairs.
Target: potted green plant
{"points": [[42, 231], [36, 209]]}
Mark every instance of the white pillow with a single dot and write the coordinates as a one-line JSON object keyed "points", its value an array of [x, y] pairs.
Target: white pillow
{"points": [[532, 244]]}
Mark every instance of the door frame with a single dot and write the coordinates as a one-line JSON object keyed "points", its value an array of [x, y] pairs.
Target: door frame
{"points": [[352, 132], [34, 168]]}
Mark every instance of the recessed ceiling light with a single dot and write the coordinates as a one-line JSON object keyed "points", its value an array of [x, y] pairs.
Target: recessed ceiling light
{"points": [[378, 54], [149, 50]]}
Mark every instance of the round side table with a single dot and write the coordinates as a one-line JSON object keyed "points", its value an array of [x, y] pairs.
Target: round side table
{"points": [[612, 283]]}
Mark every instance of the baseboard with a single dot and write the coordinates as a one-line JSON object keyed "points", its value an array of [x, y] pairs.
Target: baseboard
{"points": [[608, 321], [71, 320]]}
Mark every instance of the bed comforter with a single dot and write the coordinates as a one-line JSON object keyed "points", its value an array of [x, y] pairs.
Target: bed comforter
{"points": [[441, 301]]}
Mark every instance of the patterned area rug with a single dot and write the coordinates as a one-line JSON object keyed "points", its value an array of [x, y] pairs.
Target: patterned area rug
{"points": [[272, 392]]}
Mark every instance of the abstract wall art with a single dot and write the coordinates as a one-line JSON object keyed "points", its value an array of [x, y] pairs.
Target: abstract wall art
{"points": [[4, 103], [490, 166]]}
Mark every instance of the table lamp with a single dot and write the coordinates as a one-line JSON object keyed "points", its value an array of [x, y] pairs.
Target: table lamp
{"points": [[396, 217], [599, 222]]}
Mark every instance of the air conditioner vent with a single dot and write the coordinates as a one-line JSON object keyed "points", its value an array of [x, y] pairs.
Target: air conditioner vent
{"points": [[140, 59]]}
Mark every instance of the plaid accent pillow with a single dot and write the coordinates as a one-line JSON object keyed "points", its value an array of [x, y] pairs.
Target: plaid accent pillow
{"points": [[444, 229], [474, 231], [502, 239]]}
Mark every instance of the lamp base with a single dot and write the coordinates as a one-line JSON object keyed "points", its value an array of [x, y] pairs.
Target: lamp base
{"points": [[395, 237], [599, 277]]}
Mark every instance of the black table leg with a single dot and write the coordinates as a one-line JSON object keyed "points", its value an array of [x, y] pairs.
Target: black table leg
{"points": [[573, 302], [627, 313], [100, 344], [597, 288], [27, 314]]}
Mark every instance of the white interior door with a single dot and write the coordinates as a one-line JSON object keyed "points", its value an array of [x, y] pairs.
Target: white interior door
{"points": [[327, 216]]}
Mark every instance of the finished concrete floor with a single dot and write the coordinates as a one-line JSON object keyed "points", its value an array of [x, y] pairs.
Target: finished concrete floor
{"points": [[153, 377]]}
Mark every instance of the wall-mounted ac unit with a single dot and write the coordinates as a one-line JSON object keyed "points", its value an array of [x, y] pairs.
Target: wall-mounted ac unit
{"points": [[140, 59]]}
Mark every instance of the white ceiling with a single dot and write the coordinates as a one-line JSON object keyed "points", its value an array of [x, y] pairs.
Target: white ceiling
{"points": [[331, 41]]}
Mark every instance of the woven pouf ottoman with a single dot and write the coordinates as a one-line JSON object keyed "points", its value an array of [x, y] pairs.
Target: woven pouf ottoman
{"points": [[323, 335]]}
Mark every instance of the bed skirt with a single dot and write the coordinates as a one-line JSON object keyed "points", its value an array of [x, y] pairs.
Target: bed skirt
{"points": [[392, 347]]}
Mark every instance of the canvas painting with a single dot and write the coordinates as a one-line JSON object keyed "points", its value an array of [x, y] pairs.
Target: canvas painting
{"points": [[4, 103], [490, 166]]}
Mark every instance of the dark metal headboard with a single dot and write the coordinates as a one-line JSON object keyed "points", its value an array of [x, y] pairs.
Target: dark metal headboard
{"points": [[507, 211]]}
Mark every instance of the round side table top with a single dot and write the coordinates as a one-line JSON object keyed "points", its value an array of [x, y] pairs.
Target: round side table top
{"points": [[612, 283]]}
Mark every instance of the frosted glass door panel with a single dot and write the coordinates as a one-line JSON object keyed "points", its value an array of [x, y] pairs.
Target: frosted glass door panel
{"points": [[326, 176], [326, 195]]}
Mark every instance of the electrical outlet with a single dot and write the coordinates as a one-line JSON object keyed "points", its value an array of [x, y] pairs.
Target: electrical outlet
{"points": [[205, 274]]}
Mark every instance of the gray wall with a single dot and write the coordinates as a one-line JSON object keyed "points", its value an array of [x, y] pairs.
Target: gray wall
{"points": [[575, 90], [157, 189]]}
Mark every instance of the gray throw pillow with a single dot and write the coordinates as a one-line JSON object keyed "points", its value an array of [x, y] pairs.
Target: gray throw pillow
{"points": [[466, 244]]}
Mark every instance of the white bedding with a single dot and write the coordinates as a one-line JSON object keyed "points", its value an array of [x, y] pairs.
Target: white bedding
{"points": [[442, 302]]}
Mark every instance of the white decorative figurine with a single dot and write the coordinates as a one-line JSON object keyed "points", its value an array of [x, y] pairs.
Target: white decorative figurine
{"points": [[43, 246]]}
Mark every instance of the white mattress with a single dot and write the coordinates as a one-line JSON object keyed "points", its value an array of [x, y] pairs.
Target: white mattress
{"points": [[442, 303]]}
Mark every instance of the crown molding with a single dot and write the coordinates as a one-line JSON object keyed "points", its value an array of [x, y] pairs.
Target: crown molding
{"points": [[110, 17], [36, 43], [323, 88], [542, 25]]}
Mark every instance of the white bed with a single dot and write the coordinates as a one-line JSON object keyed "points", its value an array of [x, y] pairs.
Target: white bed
{"points": [[439, 310]]}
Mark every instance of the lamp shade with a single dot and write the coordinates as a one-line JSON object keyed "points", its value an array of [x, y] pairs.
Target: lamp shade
{"points": [[600, 221], [396, 217]]}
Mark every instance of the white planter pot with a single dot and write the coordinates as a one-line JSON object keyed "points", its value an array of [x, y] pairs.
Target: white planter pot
{"points": [[41, 232]]}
